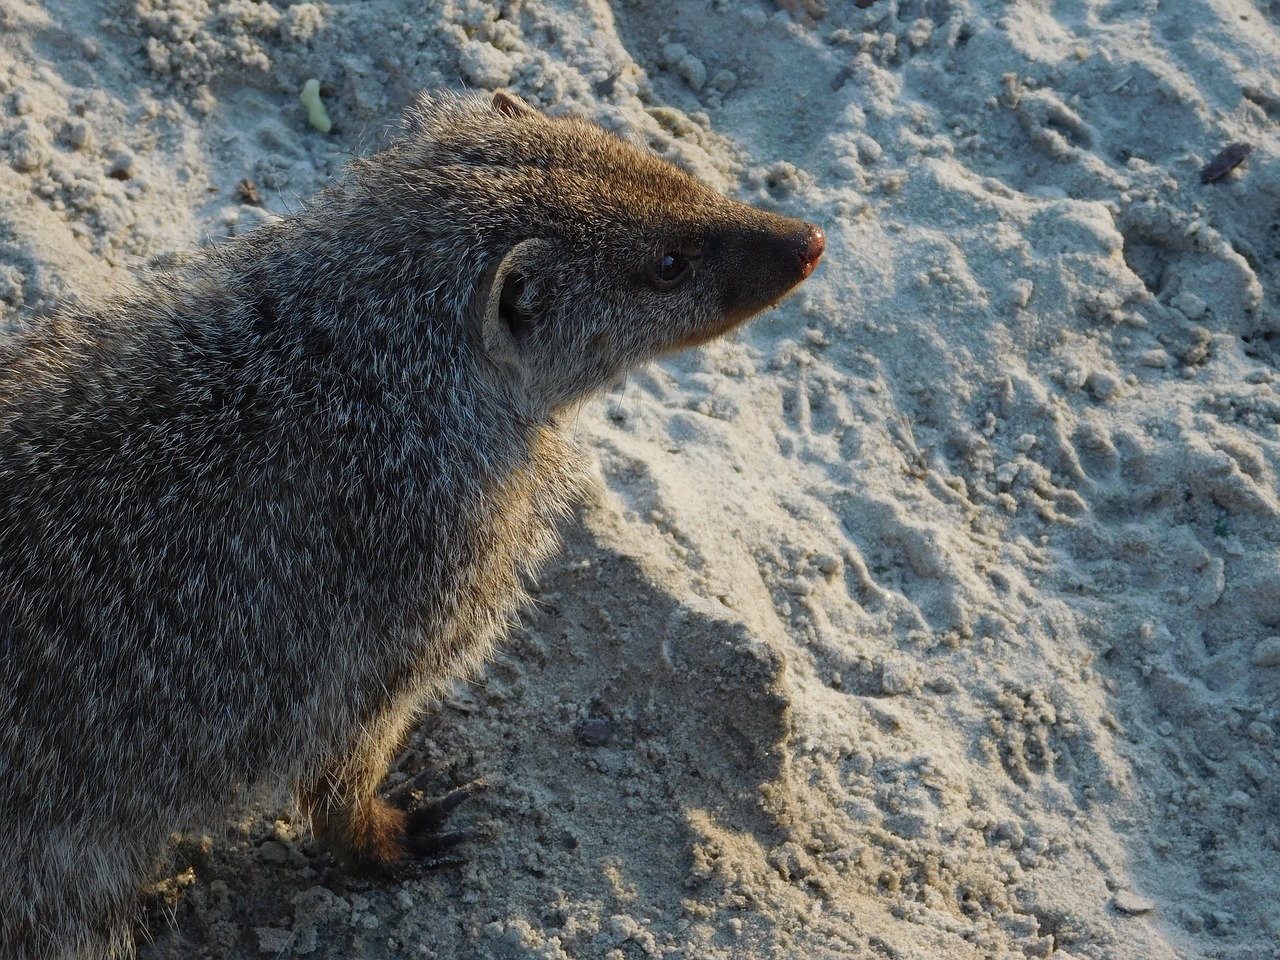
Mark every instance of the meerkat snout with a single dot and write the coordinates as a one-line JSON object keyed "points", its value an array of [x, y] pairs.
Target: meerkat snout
{"points": [[810, 250]]}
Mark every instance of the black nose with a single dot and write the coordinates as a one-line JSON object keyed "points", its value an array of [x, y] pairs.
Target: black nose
{"points": [[810, 250]]}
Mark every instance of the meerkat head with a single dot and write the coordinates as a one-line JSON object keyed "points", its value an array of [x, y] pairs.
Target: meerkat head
{"points": [[598, 254]]}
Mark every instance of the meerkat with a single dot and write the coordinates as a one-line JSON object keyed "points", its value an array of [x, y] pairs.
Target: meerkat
{"points": [[260, 508]]}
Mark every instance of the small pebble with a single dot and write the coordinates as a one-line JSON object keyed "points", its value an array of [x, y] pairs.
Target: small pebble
{"points": [[1191, 306], [1266, 653], [76, 133], [595, 732], [273, 940], [484, 64], [724, 80], [121, 167], [869, 150], [1238, 800], [1020, 292], [1103, 385], [899, 678], [1126, 901], [693, 70], [845, 167], [28, 147], [23, 102], [272, 851]]}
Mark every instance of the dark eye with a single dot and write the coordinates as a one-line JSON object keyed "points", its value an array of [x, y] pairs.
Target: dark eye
{"points": [[674, 267]]}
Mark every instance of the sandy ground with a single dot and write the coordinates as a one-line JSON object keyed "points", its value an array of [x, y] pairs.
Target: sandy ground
{"points": [[934, 615]]}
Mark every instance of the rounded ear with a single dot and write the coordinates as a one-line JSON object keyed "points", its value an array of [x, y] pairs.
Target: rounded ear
{"points": [[507, 302], [509, 105]]}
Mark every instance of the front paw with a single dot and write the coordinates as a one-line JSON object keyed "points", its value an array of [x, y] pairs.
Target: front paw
{"points": [[426, 841], [392, 835]]}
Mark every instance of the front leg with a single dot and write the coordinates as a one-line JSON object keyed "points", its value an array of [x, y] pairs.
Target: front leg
{"points": [[363, 831]]}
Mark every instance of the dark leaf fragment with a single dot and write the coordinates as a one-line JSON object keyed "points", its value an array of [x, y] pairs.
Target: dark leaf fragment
{"points": [[1225, 162]]}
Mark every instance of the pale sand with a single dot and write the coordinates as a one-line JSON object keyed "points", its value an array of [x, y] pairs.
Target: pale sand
{"points": [[933, 615]]}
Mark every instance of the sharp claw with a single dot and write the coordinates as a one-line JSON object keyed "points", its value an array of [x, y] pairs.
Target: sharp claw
{"points": [[432, 813], [445, 805], [424, 845], [401, 794], [424, 864]]}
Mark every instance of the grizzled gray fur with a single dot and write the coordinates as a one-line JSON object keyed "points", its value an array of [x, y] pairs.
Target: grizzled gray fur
{"points": [[256, 511]]}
